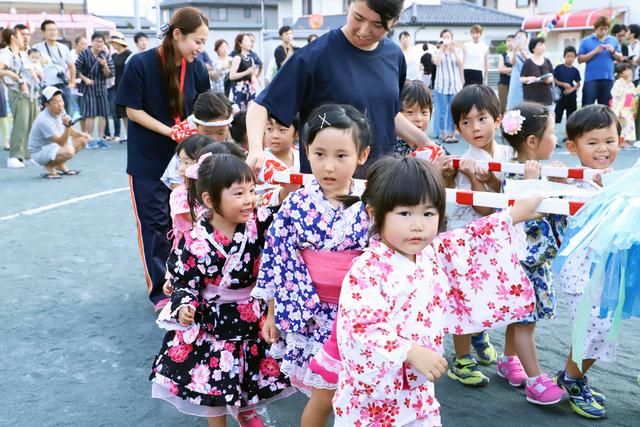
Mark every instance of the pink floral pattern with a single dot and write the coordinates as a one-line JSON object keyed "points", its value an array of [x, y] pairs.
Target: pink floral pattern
{"points": [[180, 214], [388, 303], [218, 362]]}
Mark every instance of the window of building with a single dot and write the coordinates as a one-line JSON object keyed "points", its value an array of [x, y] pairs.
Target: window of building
{"points": [[247, 12], [218, 14], [491, 3], [523, 3]]}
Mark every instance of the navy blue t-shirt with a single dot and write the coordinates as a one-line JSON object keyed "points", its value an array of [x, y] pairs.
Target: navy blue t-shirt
{"points": [[332, 70], [569, 75], [142, 87]]}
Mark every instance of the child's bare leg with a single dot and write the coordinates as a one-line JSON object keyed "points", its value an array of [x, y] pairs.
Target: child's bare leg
{"points": [[572, 368], [525, 340], [318, 409], [217, 421], [462, 345], [510, 340]]}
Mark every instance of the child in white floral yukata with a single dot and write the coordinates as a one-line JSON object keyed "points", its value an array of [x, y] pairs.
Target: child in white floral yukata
{"points": [[212, 116], [312, 231], [593, 136], [411, 287], [476, 114], [213, 360], [281, 152]]}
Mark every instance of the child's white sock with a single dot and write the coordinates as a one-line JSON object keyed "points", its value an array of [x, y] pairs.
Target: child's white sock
{"points": [[532, 380]]}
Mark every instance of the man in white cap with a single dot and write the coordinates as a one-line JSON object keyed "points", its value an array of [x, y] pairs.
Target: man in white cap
{"points": [[49, 139]]}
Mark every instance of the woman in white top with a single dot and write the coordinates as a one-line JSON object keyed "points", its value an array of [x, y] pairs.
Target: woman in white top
{"points": [[410, 56], [476, 59], [448, 62]]}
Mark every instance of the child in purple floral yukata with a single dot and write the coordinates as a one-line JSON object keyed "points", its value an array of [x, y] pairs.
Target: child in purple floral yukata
{"points": [[411, 287], [213, 360], [313, 230]]}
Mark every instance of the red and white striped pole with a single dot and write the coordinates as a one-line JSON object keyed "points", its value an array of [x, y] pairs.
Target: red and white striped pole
{"points": [[518, 168], [483, 199], [463, 197]]}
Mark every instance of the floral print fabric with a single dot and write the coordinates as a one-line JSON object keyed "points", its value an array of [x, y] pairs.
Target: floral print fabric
{"points": [[221, 360], [466, 281], [306, 220], [543, 239]]}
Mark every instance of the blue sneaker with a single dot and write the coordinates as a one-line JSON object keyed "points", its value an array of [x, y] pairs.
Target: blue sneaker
{"points": [[485, 352], [92, 145], [581, 397], [102, 144]]}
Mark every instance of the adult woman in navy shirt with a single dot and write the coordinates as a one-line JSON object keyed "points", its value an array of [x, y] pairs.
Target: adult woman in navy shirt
{"points": [[158, 88], [354, 65]]}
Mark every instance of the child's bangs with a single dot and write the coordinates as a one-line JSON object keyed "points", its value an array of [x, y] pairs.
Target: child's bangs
{"points": [[412, 183], [231, 170]]}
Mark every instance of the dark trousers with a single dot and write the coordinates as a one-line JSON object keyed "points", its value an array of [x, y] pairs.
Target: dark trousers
{"points": [[151, 208], [111, 94], [473, 77], [597, 91], [568, 104]]}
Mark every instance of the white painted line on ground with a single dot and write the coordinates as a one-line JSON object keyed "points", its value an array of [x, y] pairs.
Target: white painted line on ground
{"points": [[63, 203]]}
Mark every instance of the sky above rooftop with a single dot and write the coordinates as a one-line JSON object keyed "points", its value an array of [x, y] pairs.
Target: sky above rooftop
{"points": [[122, 8]]}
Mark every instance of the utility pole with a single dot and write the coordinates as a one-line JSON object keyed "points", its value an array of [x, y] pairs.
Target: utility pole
{"points": [[158, 22], [262, 25], [136, 14]]}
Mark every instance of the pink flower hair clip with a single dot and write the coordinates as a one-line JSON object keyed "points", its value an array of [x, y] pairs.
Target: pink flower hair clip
{"points": [[512, 122]]}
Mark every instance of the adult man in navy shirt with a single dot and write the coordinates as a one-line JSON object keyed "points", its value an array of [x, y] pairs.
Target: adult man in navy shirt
{"points": [[599, 50]]}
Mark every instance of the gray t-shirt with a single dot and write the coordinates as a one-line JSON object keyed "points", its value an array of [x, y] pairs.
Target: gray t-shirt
{"points": [[55, 59], [45, 127]]}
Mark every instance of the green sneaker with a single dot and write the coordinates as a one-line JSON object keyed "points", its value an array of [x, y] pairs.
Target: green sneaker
{"points": [[581, 398], [466, 371], [485, 351]]}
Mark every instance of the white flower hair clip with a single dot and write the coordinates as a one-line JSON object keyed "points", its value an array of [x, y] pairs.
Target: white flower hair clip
{"points": [[512, 122]]}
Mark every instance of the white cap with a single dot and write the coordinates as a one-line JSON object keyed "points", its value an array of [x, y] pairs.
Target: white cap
{"points": [[50, 91]]}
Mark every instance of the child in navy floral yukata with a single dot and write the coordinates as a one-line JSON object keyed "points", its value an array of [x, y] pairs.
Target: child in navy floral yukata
{"points": [[312, 224], [213, 360]]}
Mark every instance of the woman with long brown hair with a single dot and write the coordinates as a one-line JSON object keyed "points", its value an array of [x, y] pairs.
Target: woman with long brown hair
{"points": [[158, 89], [241, 74]]}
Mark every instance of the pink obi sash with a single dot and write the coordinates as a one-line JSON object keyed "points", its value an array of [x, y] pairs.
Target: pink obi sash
{"points": [[226, 295], [327, 270]]}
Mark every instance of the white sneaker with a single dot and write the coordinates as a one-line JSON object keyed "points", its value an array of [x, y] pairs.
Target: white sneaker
{"points": [[14, 163], [30, 162]]}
